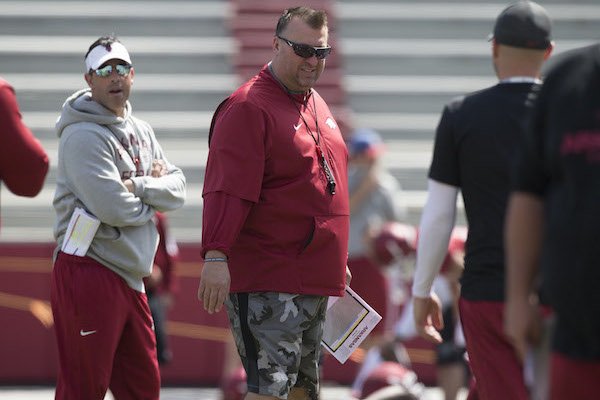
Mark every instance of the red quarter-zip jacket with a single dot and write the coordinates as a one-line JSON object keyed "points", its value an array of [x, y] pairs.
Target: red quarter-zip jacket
{"points": [[286, 232]]}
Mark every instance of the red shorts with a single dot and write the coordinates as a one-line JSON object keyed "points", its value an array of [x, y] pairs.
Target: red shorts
{"points": [[104, 333], [493, 361], [572, 379], [369, 282]]}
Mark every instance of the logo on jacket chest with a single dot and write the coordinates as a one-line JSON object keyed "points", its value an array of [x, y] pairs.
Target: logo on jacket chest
{"points": [[330, 123], [136, 151]]}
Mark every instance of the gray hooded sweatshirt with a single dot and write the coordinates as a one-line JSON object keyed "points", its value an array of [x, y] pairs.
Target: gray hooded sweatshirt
{"points": [[97, 152]]}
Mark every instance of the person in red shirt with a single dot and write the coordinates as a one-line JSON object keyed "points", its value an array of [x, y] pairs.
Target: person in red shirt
{"points": [[276, 212], [23, 161], [375, 201], [161, 285]]}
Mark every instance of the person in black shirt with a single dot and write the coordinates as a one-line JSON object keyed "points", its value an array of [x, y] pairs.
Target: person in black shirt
{"points": [[553, 224], [475, 143]]}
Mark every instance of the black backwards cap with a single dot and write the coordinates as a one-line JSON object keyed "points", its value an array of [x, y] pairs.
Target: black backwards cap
{"points": [[523, 24]]}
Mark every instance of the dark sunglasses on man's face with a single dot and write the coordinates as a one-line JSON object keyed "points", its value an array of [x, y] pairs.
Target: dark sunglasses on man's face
{"points": [[306, 51], [122, 69]]}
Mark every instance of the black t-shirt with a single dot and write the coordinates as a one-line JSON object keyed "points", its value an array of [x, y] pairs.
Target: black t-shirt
{"points": [[561, 164], [476, 141]]}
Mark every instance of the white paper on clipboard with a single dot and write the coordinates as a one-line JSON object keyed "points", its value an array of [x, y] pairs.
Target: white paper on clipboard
{"points": [[348, 322]]}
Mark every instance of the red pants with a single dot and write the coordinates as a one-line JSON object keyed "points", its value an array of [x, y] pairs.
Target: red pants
{"points": [[104, 334], [494, 363], [574, 379]]}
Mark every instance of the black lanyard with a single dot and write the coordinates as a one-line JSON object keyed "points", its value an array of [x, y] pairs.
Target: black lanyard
{"points": [[324, 164]]}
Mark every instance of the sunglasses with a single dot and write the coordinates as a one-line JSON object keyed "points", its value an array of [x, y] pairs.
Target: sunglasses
{"points": [[122, 70], [306, 51]]}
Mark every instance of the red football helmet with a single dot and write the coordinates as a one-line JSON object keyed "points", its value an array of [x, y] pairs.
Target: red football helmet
{"points": [[456, 248], [234, 386], [394, 239], [391, 373]]}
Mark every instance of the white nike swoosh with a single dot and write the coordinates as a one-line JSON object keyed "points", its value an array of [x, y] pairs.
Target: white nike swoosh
{"points": [[297, 127], [85, 333]]}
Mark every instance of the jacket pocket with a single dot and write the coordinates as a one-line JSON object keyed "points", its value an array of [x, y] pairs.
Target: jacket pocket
{"points": [[323, 261], [309, 237]]}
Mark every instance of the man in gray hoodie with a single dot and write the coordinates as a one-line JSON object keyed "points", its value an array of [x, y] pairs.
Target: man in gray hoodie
{"points": [[113, 174]]}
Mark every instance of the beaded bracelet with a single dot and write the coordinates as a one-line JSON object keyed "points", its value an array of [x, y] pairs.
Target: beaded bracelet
{"points": [[215, 259]]}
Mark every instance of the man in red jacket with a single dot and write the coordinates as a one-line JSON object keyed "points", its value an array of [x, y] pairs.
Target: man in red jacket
{"points": [[23, 161], [276, 213]]}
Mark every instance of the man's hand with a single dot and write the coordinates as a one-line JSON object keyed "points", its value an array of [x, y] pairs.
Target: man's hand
{"points": [[159, 168], [522, 324], [155, 277], [129, 185], [214, 285], [427, 312]]}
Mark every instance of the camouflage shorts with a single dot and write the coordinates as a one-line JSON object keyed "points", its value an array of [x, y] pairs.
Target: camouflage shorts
{"points": [[278, 337]]}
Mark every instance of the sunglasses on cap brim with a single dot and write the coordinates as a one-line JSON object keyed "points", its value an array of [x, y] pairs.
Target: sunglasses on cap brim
{"points": [[306, 51]]}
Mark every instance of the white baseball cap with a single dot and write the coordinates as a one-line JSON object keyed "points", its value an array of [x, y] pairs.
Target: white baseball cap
{"points": [[101, 54]]}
